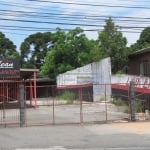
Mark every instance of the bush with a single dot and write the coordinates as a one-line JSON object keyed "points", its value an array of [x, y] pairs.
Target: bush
{"points": [[127, 109], [68, 96], [138, 106], [118, 102]]}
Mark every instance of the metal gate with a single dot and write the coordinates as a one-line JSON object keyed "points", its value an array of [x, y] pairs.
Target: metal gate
{"points": [[9, 103], [78, 109]]}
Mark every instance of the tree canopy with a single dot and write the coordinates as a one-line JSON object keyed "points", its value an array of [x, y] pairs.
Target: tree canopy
{"points": [[34, 49], [7, 48], [71, 50], [143, 41], [60, 51], [112, 44]]}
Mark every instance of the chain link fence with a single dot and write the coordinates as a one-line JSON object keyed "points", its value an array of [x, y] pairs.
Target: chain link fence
{"points": [[71, 105]]}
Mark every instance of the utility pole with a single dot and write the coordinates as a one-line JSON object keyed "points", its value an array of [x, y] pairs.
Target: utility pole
{"points": [[132, 101]]}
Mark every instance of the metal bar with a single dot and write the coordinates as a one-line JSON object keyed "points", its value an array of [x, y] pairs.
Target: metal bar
{"points": [[81, 107], [53, 111], [35, 94], [132, 100], [106, 105], [31, 93], [22, 105]]}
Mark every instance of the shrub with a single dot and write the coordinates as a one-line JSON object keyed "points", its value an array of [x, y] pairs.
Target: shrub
{"points": [[68, 96], [138, 106], [118, 102]]}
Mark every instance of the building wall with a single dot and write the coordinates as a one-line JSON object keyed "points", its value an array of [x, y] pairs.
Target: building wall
{"points": [[101, 72], [97, 73], [135, 64]]}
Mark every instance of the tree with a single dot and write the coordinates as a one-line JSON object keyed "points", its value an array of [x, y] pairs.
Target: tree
{"points": [[34, 49], [7, 48], [71, 50], [112, 44], [143, 41]]}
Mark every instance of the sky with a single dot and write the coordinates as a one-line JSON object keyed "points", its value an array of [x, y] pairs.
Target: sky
{"points": [[21, 18]]}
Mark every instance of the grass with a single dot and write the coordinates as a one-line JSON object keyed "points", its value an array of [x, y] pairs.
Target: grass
{"points": [[138, 106], [118, 102], [68, 96]]}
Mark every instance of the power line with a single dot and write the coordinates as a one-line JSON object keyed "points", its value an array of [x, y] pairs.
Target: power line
{"points": [[59, 15], [24, 5], [92, 22], [51, 29], [97, 5], [26, 12], [64, 23]]}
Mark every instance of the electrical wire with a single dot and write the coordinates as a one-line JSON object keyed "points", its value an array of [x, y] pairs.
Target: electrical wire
{"points": [[87, 4], [49, 17]]}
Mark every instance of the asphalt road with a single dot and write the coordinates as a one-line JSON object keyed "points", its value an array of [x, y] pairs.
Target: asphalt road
{"points": [[62, 148], [115, 136]]}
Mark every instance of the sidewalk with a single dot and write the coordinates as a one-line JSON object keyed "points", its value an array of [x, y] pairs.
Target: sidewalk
{"points": [[119, 128], [134, 127]]}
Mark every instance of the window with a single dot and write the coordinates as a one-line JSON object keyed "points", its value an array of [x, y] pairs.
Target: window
{"points": [[145, 68]]}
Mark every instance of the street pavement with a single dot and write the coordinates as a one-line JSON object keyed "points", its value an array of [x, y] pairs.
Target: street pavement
{"points": [[111, 136], [62, 148]]}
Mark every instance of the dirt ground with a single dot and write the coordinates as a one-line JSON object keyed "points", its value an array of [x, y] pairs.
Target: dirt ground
{"points": [[135, 127], [138, 128]]}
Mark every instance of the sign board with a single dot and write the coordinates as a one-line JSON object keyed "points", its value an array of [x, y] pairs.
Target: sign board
{"points": [[142, 84], [9, 68]]}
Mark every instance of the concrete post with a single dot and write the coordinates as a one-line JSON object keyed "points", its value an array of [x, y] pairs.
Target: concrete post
{"points": [[22, 105], [132, 101]]}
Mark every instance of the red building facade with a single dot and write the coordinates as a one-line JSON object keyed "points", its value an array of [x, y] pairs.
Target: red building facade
{"points": [[9, 86]]}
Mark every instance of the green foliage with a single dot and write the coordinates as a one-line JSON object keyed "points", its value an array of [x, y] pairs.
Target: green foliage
{"points": [[143, 41], [34, 49], [120, 73], [7, 48], [127, 109], [71, 50], [62, 51], [121, 103], [112, 44], [118, 102], [138, 106], [68, 96]]}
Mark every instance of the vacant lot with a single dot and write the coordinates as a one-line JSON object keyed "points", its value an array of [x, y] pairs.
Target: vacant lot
{"points": [[74, 113]]}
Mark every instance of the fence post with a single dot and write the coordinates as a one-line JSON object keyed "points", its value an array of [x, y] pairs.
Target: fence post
{"points": [[22, 105], [132, 101], [81, 107], [53, 111], [106, 104], [54, 94]]}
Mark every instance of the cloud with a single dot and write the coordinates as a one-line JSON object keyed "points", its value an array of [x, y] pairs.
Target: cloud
{"points": [[26, 7]]}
